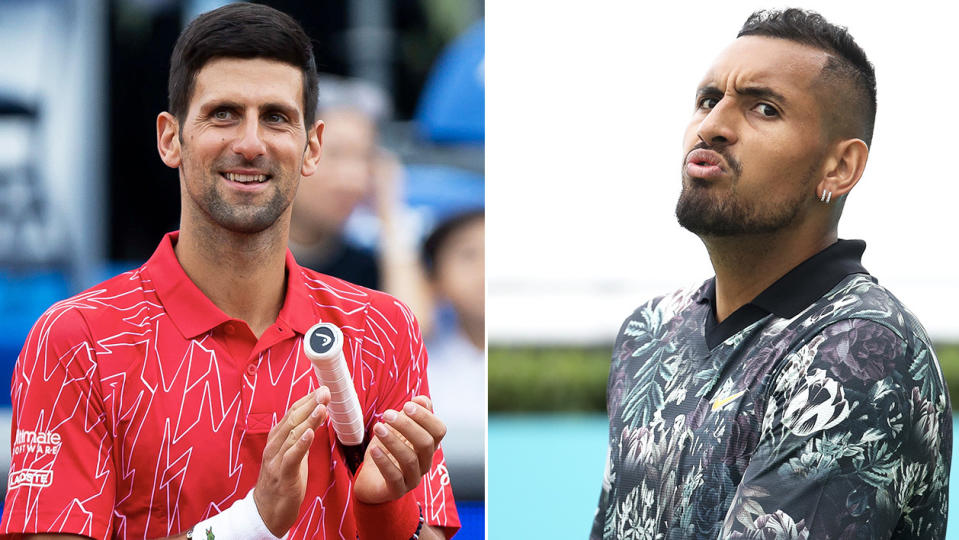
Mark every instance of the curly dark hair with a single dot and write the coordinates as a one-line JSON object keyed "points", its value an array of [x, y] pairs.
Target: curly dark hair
{"points": [[853, 113], [240, 30]]}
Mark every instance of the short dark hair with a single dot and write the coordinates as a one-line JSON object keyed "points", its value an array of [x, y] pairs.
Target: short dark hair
{"points": [[437, 239], [240, 30], [855, 111]]}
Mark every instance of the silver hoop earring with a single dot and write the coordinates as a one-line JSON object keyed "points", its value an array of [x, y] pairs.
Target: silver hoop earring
{"points": [[826, 196]]}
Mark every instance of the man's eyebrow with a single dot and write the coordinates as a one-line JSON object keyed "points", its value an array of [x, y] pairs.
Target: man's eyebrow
{"points": [[289, 110], [762, 92], [708, 90], [219, 104]]}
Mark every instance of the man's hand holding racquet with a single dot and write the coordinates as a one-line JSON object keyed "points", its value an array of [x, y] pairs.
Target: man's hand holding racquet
{"points": [[402, 451]]}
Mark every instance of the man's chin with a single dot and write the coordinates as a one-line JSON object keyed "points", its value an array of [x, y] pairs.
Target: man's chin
{"points": [[705, 225], [253, 224], [712, 230], [247, 223], [702, 217]]}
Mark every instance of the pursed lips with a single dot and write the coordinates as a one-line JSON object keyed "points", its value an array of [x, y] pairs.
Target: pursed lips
{"points": [[705, 164]]}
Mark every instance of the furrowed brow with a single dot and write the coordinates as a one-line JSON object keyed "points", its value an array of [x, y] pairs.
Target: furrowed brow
{"points": [[761, 92], [708, 90]]}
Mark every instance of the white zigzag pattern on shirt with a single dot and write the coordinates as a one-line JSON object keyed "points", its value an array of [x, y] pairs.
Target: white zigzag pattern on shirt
{"points": [[116, 415]]}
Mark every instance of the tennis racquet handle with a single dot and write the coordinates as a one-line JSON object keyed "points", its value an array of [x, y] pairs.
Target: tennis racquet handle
{"points": [[323, 345]]}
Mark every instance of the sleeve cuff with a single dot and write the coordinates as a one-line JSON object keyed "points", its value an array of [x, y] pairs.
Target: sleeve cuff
{"points": [[393, 520]]}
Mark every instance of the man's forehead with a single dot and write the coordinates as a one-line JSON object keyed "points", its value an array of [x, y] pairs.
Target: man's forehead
{"points": [[242, 80], [767, 61]]}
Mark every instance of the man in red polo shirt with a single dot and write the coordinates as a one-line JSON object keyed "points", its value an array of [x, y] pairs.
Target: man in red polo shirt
{"points": [[176, 399]]}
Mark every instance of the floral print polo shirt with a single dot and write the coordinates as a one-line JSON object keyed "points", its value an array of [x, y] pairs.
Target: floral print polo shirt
{"points": [[816, 411]]}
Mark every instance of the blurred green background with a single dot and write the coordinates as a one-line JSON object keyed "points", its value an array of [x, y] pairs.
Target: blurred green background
{"points": [[573, 379]]}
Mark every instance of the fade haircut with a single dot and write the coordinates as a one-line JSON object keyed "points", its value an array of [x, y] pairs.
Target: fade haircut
{"points": [[245, 31], [852, 112]]}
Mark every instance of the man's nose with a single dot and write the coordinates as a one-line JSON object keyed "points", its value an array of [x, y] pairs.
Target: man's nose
{"points": [[249, 143], [719, 126]]}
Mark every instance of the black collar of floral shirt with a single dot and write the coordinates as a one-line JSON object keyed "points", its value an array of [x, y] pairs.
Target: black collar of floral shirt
{"points": [[789, 295]]}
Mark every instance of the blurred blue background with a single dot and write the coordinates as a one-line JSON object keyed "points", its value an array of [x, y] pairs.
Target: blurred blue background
{"points": [[84, 196]]}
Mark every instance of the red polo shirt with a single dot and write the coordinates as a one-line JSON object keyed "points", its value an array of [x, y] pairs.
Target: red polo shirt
{"points": [[140, 408]]}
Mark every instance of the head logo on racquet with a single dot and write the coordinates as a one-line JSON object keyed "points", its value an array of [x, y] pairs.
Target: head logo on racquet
{"points": [[322, 339]]}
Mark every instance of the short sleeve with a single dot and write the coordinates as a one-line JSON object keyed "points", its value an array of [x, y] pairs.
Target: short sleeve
{"points": [[398, 378], [61, 473], [855, 442]]}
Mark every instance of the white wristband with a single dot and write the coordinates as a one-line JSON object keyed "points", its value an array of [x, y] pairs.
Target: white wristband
{"points": [[241, 521]]}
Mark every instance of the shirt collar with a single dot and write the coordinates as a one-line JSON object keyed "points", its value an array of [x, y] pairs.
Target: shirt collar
{"points": [[812, 279], [194, 314], [790, 294], [807, 282], [298, 307]]}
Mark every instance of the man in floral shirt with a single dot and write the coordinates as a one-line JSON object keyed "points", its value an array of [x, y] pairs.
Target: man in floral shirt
{"points": [[790, 396]]}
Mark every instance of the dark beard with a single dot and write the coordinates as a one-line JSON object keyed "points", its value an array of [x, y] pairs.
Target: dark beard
{"points": [[704, 214]]}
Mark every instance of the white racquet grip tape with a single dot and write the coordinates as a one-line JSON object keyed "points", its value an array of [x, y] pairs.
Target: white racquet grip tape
{"points": [[323, 345]]}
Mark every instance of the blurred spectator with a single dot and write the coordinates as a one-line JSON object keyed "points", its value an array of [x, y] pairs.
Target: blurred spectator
{"points": [[455, 258], [353, 169]]}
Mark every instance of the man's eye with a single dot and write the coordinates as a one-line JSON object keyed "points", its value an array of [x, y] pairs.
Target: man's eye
{"points": [[275, 118], [767, 110], [708, 102], [222, 114]]}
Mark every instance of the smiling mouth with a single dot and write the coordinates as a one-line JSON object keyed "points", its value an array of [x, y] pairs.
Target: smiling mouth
{"points": [[246, 178]]}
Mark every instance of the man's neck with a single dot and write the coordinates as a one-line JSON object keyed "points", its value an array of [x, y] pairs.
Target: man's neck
{"points": [[746, 266], [242, 274]]}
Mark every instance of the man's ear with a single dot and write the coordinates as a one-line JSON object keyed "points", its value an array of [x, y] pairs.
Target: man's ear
{"points": [[844, 166], [314, 148], [168, 139]]}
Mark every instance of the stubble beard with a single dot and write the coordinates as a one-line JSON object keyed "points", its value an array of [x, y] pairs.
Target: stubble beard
{"points": [[247, 217], [704, 212], [243, 218]]}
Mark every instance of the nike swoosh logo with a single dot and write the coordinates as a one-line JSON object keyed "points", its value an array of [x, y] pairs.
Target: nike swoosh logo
{"points": [[719, 402]]}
